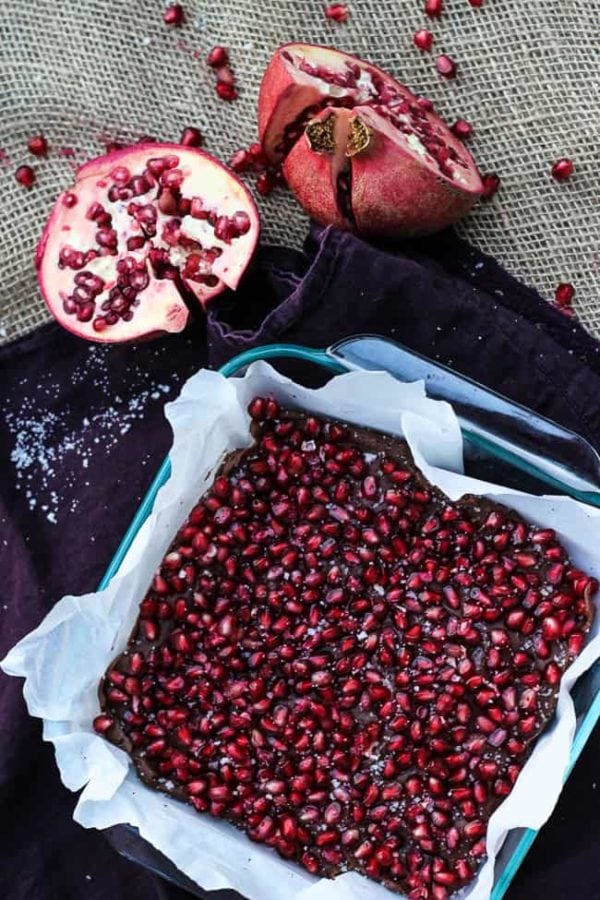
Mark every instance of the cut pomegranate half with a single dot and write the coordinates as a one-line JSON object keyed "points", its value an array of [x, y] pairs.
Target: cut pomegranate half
{"points": [[141, 235], [357, 147]]}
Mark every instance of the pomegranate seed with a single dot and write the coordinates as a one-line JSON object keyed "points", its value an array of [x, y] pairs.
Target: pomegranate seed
{"points": [[336, 12], [474, 829], [225, 75], [446, 66], [173, 15], [241, 161], [563, 295], [462, 129], [434, 8], [103, 723], [217, 58], [226, 91], [552, 673], [259, 159], [551, 629], [423, 39], [38, 145], [562, 169], [25, 176], [265, 183], [476, 4], [191, 137], [491, 183]]}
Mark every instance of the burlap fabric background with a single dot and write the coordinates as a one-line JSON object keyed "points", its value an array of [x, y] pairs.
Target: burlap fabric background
{"points": [[529, 82]]}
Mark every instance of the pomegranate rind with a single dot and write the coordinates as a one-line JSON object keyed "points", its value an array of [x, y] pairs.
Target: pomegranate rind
{"points": [[162, 307], [421, 204], [398, 186]]}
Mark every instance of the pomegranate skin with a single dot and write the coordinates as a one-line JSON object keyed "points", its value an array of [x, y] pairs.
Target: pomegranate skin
{"points": [[132, 270], [421, 204], [387, 166], [312, 177], [308, 176]]}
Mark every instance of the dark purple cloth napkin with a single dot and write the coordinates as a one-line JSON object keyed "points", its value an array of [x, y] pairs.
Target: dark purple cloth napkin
{"points": [[83, 433]]}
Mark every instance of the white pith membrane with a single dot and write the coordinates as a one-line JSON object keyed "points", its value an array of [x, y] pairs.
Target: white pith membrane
{"points": [[326, 82], [140, 236]]}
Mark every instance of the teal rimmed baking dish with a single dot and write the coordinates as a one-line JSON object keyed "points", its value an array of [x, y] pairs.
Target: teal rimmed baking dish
{"points": [[493, 454]]}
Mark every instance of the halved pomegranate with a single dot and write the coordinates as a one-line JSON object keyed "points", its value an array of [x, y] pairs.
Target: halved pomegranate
{"points": [[141, 235], [358, 149]]}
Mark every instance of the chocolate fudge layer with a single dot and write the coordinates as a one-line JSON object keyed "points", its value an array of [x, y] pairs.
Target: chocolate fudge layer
{"points": [[344, 663]]}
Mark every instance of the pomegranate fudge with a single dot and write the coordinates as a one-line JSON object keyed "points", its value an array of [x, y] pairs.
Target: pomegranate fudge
{"points": [[341, 661]]}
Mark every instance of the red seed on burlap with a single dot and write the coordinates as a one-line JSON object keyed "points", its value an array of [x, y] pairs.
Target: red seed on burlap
{"points": [[336, 12], [25, 176], [491, 183], [423, 39], [434, 8], [446, 66], [38, 145], [462, 129], [564, 294], [562, 169], [173, 15]]}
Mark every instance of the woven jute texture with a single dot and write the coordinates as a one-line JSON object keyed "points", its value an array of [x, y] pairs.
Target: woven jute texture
{"points": [[81, 71]]}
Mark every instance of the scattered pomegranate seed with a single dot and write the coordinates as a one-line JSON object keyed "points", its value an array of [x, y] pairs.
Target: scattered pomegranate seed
{"points": [[173, 15], [434, 8], [564, 294], [38, 145], [562, 169], [226, 91], [259, 159], [337, 12], [476, 4], [191, 137], [462, 129], [225, 74], [69, 200], [491, 183], [217, 57], [241, 161], [25, 176], [423, 39], [265, 183], [446, 66]]}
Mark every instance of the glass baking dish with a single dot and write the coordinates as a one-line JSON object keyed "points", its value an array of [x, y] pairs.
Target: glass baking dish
{"points": [[490, 456]]}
